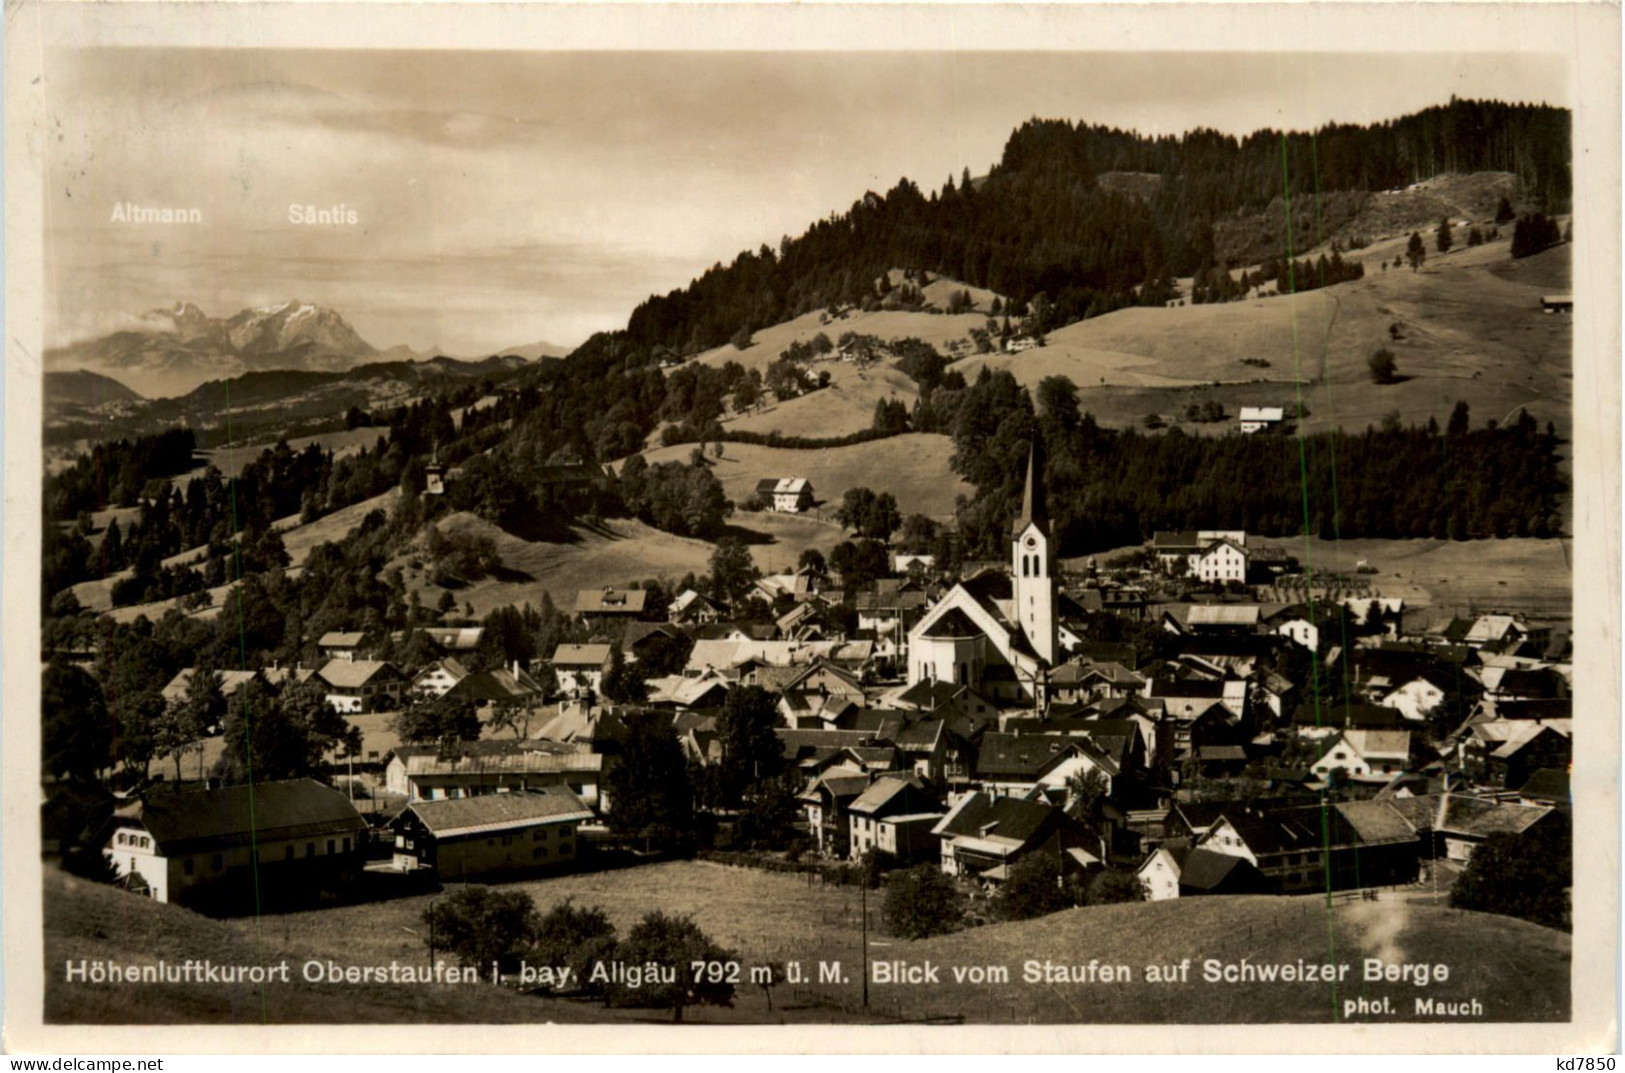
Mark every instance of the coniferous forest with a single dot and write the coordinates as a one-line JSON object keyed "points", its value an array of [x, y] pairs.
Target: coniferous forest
{"points": [[1043, 221]]}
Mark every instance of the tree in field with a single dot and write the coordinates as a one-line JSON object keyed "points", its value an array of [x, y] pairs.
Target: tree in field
{"points": [[482, 924], [438, 719], [1034, 889], [674, 943], [751, 751], [812, 561], [1112, 886], [742, 338], [1443, 237], [920, 902], [653, 797], [1534, 233], [1475, 237], [270, 737], [1504, 212], [624, 683], [1416, 252], [1525, 876], [732, 570], [858, 562], [185, 721], [1383, 367], [576, 937], [77, 735]]}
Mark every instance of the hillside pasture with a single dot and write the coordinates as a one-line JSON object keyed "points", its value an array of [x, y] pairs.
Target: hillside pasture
{"points": [[846, 406], [913, 467], [619, 551], [1517, 970]]}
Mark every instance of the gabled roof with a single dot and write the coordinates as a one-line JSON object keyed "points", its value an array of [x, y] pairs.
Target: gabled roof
{"points": [[338, 639], [1475, 816], [1011, 821], [1547, 784], [875, 800], [1262, 413], [191, 820], [532, 757], [353, 674], [488, 813], [581, 656], [1175, 540], [455, 670], [783, 485], [498, 685], [1202, 869], [454, 638], [952, 625], [1377, 821], [1222, 614], [1022, 755], [230, 683]]}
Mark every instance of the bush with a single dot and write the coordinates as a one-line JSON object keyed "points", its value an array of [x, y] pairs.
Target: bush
{"points": [[1383, 367], [576, 938], [673, 944], [921, 902], [481, 925], [1113, 886], [1524, 876], [1034, 889]]}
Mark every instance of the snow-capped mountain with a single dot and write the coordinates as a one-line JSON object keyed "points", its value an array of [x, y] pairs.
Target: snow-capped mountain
{"points": [[170, 351]]}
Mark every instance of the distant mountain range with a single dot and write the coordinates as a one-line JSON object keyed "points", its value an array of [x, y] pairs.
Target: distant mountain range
{"points": [[89, 390], [170, 352]]}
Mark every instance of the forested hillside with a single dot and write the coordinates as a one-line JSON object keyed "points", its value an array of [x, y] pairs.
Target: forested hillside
{"points": [[1058, 216]]}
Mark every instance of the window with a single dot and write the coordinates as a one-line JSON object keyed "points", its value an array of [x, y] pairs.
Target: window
{"points": [[330, 847], [218, 862], [310, 849], [189, 866], [538, 853], [507, 840], [536, 836], [346, 845], [287, 852]]}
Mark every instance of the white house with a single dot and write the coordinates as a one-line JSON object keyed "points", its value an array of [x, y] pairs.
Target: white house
{"points": [[1222, 561], [1414, 699], [581, 668], [437, 678], [1258, 418], [172, 845], [1365, 755], [788, 494]]}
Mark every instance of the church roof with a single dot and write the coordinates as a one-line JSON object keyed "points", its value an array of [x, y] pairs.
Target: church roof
{"points": [[953, 624]]}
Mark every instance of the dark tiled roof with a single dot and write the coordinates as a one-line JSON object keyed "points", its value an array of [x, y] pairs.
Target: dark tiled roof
{"points": [[468, 815], [1203, 869], [955, 623], [1547, 784], [1020, 754], [192, 820], [1008, 817]]}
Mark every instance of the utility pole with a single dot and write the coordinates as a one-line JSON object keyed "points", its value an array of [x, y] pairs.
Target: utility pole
{"points": [[863, 889]]}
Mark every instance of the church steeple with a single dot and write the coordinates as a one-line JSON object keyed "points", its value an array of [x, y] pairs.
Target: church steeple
{"points": [[1032, 566], [1032, 498]]}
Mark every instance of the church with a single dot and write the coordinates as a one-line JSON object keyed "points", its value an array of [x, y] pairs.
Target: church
{"points": [[997, 634]]}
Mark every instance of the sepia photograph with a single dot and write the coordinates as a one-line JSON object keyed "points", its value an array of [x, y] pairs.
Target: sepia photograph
{"points": [[624, 531]]}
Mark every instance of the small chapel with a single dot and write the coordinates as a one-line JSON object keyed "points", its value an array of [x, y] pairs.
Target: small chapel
{"points": [[998, 634]]}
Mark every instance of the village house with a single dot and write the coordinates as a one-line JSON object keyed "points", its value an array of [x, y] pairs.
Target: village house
{"points": [[341, 644], [691, 608], [1176, 870], [984, 837], [1504, 753], [1364, 755], [295, 837], [474, 768], [580, 669], [1259, 418], [826, 800], [500, 686], [492, 835], [789, 495], [1029, 765], [1309, 848], [175, 692], [1220, 562], [1462, 823], [362, 685], [894, 816], [437, 678], [609, 605], [684, 694]]}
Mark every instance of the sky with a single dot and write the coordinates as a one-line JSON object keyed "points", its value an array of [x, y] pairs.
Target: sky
{"points": [[506, 198]]}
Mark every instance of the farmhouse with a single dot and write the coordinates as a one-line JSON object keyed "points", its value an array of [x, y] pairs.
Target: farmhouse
{"points": [[497, 834], [790, 495], [230, 682], [192, 845], [1175, 870], [581, 668], [1222, 561], [1557, 303], [361, 685], [474, 768], [437, 678], [895, 816], [1259, 418], [827, 800], [1463, 823], [599, 607], [339, 644], [986, 836], [692, 608]]}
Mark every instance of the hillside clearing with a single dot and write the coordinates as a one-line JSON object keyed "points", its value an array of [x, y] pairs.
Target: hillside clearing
{"points": [[914, 468]]}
